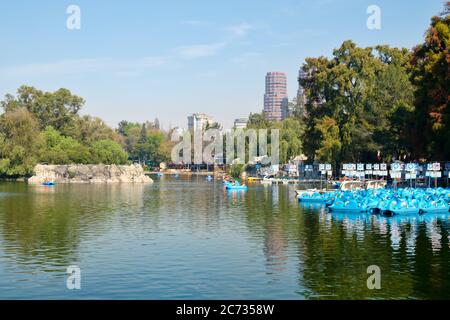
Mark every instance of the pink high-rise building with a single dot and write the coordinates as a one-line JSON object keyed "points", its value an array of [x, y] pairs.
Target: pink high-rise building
{"points": [[275, 98]]}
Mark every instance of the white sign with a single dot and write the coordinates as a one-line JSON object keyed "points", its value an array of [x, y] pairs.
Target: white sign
{"points": [[411, 167], [376, 166], [436, 166], [328, 167], [383, 167], [396, 174], [435, 174], [411, 176]]}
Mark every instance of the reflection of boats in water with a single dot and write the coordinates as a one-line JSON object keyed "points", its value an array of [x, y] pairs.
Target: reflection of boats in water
{"points": [[312, 205]]}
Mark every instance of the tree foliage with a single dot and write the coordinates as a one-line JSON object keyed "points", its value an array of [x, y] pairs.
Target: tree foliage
{"points": [[357, 95], [39, 126], [431, 75], [21, 143]]}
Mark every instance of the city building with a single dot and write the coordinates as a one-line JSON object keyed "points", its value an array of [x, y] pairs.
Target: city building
{"points": [[275, 98], [240, 123], [199, 121]]}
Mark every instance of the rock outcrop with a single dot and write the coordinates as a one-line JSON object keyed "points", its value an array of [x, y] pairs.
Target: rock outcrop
{"points": [[89, 174]]}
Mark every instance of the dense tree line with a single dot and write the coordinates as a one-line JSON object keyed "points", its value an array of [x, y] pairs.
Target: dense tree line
{"points": [[46, 127], [290, 133], [380, 103], [145, 142]]}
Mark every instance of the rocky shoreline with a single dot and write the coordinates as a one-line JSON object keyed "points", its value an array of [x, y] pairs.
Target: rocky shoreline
{"points": [[89, 174]]}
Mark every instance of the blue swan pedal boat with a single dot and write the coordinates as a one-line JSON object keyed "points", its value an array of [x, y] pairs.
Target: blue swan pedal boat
{"points": [[311, 197], [402, 207], [346, 206], [439, 206], [235, 186]]}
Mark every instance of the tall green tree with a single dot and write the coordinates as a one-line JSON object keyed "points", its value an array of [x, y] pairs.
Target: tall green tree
{"points": [[431, 75], [367, 93], [21, 143], [108, 152], [58, 109], [60, 149]]}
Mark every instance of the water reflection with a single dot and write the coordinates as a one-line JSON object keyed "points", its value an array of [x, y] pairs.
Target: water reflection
{"points": [[187, 238]]}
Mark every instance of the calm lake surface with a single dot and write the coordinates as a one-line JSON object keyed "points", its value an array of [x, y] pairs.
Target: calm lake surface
{"points": [[187, 238]]}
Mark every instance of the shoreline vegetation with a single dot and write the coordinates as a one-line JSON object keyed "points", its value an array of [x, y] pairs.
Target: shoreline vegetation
{"points": [[365, 105]]}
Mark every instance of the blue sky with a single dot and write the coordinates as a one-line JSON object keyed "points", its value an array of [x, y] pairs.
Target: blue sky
{"points": [[137, 60]]}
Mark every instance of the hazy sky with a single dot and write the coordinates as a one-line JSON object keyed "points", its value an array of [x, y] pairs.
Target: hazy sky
{"points": [[137, 60]]}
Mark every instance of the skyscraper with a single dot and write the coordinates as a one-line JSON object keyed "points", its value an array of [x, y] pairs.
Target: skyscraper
{"points": [[275, 98]]}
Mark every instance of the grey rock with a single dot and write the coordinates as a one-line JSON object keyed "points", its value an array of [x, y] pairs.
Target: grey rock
{"points": [[78, 173]]}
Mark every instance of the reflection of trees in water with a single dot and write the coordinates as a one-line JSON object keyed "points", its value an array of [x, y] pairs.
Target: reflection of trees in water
{"points": [[334, 251], [336, 259], [271, 217], [48, 224]]}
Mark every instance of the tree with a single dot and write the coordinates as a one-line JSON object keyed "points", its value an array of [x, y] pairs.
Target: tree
{"points": [[57, 109], [156, 148], [64, 150], [142, 147], [330, 147], [366, 92], [20, 142], [257, 120], [431, 75], [156, 124], [90, 129], [108, 152]]}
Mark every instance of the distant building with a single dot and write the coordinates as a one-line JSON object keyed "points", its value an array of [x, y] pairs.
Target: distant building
{"points": [[275, 98], [199, 121], [240, 123]]}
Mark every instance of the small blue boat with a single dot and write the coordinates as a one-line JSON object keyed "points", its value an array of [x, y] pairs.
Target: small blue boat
{"points": [[402, 207], [437, 207], [235, 186], [48, 183], [242, 187], [311, 197], [346, 206]]}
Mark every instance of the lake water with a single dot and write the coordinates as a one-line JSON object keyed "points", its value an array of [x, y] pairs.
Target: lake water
{"points": [[190, 239]]}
